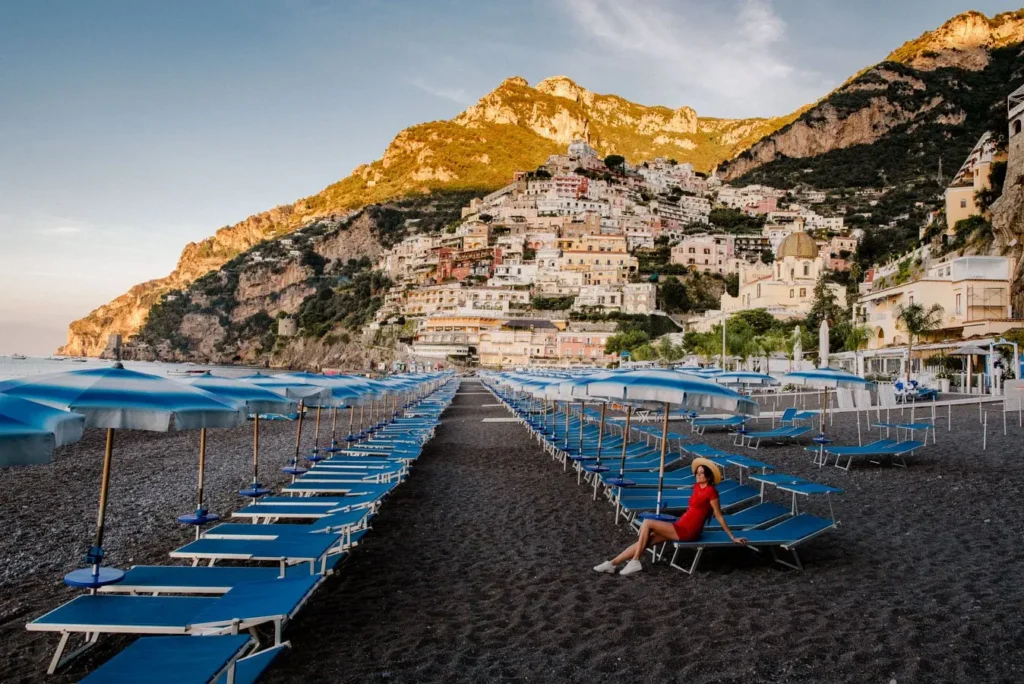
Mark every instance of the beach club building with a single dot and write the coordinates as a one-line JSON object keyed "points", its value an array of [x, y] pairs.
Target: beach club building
{"points": [[973, 291]]}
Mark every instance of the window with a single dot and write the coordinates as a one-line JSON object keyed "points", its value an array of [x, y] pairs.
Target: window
{"points": [[707, 251], [691, 250], [1016, 127], [803, 292], [807, 269], [790, 293], [958, 303], [911, 300], [758, 292], [963, 204], [792, 274]]}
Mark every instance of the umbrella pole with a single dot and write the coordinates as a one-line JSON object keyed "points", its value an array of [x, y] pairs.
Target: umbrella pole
{"points": [[625, 444], [202, 468], [96, 552], [361, 420], [334, 428], [294, 469], [581, 427], [600, 432], [351, 415], [661, 465], [316, 434], [255, 451]]}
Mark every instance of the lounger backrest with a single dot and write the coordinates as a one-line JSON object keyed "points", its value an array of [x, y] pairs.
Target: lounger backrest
{"points": [[790, 531]]}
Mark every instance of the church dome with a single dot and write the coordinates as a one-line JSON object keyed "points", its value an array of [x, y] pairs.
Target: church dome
{"points": [[798, 244]]}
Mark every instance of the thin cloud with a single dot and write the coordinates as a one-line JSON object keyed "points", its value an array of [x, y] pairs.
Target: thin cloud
{"points": [[457, 95], [728, 55], [61, 230]]}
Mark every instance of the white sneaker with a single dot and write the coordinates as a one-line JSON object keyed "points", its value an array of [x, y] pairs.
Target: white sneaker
{"points": [[607, 567], [632, 567]]}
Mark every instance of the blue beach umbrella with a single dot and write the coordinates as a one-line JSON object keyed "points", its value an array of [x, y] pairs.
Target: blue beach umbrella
{"points": [[29, 431], [299, 389], [669, 387], [344, 391], [256, 400], [744, 378], [119, 399]]}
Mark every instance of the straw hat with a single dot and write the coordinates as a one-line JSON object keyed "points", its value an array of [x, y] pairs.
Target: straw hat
{"points": [[716, 472]]}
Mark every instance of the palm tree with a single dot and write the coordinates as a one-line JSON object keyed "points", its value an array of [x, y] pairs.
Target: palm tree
{"points": [[856, 338], [917, 321]]}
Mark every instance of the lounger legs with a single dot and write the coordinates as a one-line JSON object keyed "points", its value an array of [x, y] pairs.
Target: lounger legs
{"points": [[795, 564], [59, 659], [693, 565]]}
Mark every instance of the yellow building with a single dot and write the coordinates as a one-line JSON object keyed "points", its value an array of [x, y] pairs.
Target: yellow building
{"points": [[972, 178], [974, 293], [455, 334], [786, 288], [603, 259]]}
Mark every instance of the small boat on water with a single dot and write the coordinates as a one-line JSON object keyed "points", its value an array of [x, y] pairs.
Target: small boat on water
{"points": [[79, 359], [18, 357], [187, 373]]}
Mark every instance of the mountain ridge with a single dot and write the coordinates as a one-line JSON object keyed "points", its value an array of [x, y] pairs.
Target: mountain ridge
{"points": [[511, 128], [516, 126]]}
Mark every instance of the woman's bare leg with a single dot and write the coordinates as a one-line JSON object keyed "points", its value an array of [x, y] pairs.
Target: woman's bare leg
{"points": [[651, 532]]}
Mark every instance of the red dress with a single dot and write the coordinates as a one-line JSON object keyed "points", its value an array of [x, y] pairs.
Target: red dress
{"points": [[691, 524]]}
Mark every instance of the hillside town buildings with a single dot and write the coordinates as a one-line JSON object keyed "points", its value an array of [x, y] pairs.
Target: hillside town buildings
{"points": [[519, 279]]}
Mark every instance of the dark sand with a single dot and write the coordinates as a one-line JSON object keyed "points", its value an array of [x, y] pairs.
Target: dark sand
{"points": [[479, 569]]}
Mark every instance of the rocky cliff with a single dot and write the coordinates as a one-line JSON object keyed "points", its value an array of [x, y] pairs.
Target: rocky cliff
{"points": [[935, 95], [512, 128], [319, 275]]}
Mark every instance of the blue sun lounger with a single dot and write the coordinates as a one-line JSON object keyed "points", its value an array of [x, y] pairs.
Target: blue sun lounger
{"points": [[631, 505], [243, 607], [895, 452], [174, 660], [778, 434], [182, 579], [699, 425], [351, 535], [791, 416], [786, 535], [310, 548]]}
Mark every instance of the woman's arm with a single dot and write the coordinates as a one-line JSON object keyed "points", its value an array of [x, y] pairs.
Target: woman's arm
{"points": [[721, 521]]}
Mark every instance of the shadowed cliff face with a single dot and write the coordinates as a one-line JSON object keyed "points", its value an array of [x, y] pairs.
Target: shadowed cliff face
{"points": [[929, 81]]}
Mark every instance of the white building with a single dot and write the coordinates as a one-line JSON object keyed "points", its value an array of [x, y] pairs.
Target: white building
{"points": [[639, 298]]}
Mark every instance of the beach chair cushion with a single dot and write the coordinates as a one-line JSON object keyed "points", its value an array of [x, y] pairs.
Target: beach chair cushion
{"points": [[171, 660]]}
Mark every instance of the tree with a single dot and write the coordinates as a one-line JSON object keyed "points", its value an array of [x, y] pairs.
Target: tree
{"points": [[674, 297], [732, 284], [626, 341], [917, 321], [856, 338], [767, 256], [824, 306], [614, 162], [669, 351], [644, 352], [758, 319]]}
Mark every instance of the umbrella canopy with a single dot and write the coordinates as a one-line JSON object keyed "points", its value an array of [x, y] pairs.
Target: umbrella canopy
{"points": [[344, 390], [29, 432], [826, 378], [292, 388], [118, 398], [576, 387], [255, 398], [665, 386], [744, 378], [969, 350]]}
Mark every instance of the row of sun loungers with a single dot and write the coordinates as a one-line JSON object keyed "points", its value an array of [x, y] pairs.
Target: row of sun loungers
{"points": [[328, 510], [745, 501]]}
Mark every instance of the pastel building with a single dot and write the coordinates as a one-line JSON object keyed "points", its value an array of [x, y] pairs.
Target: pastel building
{"points": [[974, 293], [786, 287]]}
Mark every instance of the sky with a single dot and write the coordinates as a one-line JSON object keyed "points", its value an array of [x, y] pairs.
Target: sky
{"points": [[128, 129]]}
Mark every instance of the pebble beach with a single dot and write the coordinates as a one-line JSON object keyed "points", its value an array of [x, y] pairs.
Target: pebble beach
{"points": [[479, 566]]}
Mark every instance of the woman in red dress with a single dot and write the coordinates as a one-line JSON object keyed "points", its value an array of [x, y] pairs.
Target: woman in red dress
{"points": [[703, 504]]}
